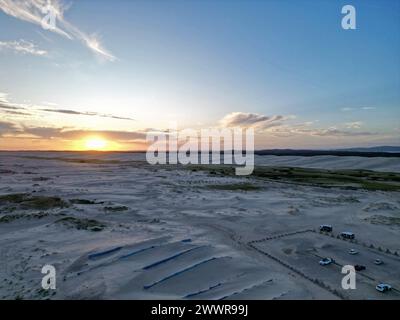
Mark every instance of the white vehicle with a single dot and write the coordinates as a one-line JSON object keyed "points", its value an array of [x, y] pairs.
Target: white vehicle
{"points": [[326, 261], [353, 251], [383, 287], [378, 261], [347, 235]]}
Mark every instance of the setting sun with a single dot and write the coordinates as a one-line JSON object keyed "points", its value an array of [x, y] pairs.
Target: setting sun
{"points": [[95, 144]]}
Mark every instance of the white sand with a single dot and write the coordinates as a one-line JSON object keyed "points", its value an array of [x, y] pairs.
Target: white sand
{"points": [[332, 162], [178, 239]]}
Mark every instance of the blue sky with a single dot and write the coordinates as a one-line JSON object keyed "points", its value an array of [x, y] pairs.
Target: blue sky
{"points": [[202, 63]]}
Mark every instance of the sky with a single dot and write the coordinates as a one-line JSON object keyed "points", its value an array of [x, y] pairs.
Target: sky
{"points": [[116, 70]]}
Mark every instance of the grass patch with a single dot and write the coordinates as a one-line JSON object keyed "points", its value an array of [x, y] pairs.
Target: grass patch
{"points": [[13, 217], [75, 160], [40, 179], [81, 224], [389, 221], [116, 208], [27, 201], [349, 179], [82, 201], [234, 187], [6, 171], [13, 198]]}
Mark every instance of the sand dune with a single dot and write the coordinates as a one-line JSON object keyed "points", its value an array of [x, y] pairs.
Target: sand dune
{"points": [[117, 228], [332, 162]]}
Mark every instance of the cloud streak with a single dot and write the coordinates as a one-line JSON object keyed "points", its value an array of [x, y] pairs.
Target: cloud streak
{"points": [[347, 109], [20, 109], [87, 113], [5, 104], [22, 131], [32, 11], [277, 125], [8, 128], [334, 132], [72, 134], [22, 47], [354, 125], [289, 131], [251, 120]]}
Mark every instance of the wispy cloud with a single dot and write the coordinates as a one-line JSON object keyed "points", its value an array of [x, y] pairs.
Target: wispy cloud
{"points": [[31, 11], [16, 113], [279, 126], [354, 125], [22, 47], [73, 134], [254, 120], [23, 109], [335, 132], [347, 109], [41, 132], [7, 128], [6, 104], [87, 113], [289, 131]]}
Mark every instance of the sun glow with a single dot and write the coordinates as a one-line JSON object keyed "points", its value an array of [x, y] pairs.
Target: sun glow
{"points": [[95, 143]]}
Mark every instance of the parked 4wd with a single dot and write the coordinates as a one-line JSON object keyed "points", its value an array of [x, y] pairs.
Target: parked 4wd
{"points": [[347, 235], [378, 261], [383, 287], [326, 261], [353, 251]]}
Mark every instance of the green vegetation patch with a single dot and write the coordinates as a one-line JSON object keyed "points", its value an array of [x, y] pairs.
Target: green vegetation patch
{"points": [[349, 179], [234, 187], [13, 217], [77, 160], [81, 223], [82, 201], [27, 201], [385, 220], [116, 208]]}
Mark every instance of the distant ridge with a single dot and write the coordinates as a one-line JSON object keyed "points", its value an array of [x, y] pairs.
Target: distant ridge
{"points": [[373, 149], [353, 152]]}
